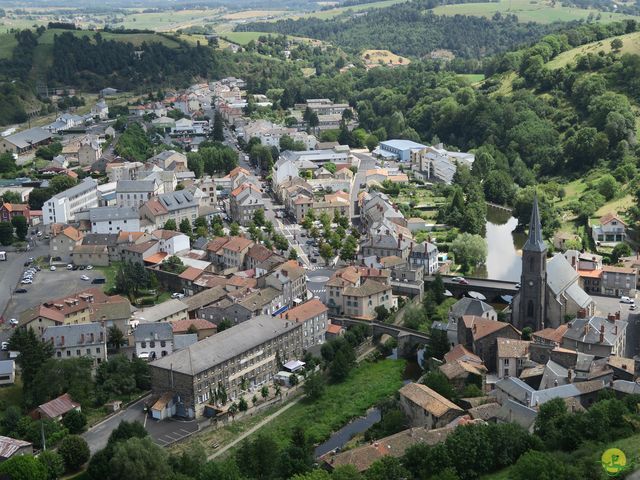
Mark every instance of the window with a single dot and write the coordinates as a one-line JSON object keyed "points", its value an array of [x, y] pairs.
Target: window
{"points": [[88, 351], [530, 308], [143, 344], [162, 343], [505, 362], [98, 350], [58, 354], [68, 353], [152, 344]]}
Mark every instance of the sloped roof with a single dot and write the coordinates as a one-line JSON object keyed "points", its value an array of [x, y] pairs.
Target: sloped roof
{"points": [[58, 406], [459, 352], [9, 446], [305, 311], [560, 274], [509, 348], [481, 327], [428, 399], [470, 306]]}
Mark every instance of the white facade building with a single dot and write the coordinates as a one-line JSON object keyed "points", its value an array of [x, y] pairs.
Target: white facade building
{"points": [[62, 207]]}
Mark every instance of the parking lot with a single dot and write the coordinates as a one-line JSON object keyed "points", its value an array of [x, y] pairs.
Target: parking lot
{"points": [[48, 285]]}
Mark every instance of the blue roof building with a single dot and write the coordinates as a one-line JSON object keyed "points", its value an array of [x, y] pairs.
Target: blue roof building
{"points": [[400, 149]]}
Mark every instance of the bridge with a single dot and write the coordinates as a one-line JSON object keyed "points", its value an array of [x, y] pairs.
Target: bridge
{"points": [[492, 289], [408, 339]]}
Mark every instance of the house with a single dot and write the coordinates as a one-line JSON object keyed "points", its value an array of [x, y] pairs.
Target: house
{"points": [[562, 240], [63, 206], [170, 241], [100, 110], [57, 408], [114, 219], [609, 230], [313, 316], [514, 389], [61, 245], [243, 203], [461, 374], [618, 281], [7, 372], [176, 206], [358, 291], [437, 163], [427, 408], [228, 252], [467, 306], [202, 327], [424, 254], [153, 340], [480, 335], [597, 336], [9, 211], [243, 356], [12, 447], [398, 149], [134, 193], [170, 160], [512, 355], [459, 352], [243, 304], [95, 255], [290, 279], [89, 152], [25, 141], [76, 341]]}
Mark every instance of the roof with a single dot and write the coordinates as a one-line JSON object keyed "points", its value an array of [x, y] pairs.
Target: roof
{"points": [[102, 214], [485, 412], [624, 386], [481, 327], [514, 412], [9, 446], [134, 186], [90, 249], [153, 331], [58, 406], [7, 367], [182, 326], [305, 311], [156, 258], [402, 144], [27, 137], [204, 297], [428, 399], [588, 330], [259, 252], [102, 239], [470, 306], [191, 273], [177, 200], [217, 243], [552, 334], [75, 335], [160, 311], [460, 368], [140, 247], [334, 329], [369, 287], [612, 269], [509, 348], [560, 274], [622, 363], [237, 244], [73, 233], [225, 345], [535, 242], [162, 234], [459, 352], [611, 216]]}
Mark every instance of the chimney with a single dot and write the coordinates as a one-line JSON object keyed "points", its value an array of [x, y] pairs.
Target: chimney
{"points": [[618, 315], [62, 340], [615, 330], [601, 333], [569, 374], [611, 318], [82, 338], [582, 313]]}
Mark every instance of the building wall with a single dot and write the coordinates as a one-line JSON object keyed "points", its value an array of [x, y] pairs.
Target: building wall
{"points": [[62, 246], [98, 351], [487, 347], [95, 259], [115, 226], [154, 348]]}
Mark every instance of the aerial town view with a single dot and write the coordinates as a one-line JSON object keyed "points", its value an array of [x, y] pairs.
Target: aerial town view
{"points": [[319, 240]]}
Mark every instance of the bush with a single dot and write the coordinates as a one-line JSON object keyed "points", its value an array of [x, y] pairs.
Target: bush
{"points": [[75, 421], [53, 463], [75, 452], [23, 467]]}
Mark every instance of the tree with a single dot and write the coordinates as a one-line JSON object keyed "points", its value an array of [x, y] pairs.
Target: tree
{"points": [[8, 196], [620, 250], [7, 164], [170, 225], [438, 344], [53, 463], [24, 467], [387, 468], [242, 405], [382, 314], [469, 250], [314, 386], [264, 392], [6, 233], [535, 465], [346, 472], [74, 452], [75, 421], [341, 364], [258, 217], [608, 186], [224, 324], [437, 287], [21, 226], [616, 44], [60, 183], [185, 226], [293, 254], [499, 187], [220, 470], [115, 337], [414, 316], [437, 381], [218, 127], [33, 353], [173, 264], [234, 229], [371, 142], [139, 459], [326, 252]]}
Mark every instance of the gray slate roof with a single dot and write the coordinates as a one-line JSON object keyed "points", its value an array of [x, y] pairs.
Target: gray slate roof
{"points": [[513, 412], [612, 331], [135, 186], [25, 138], [73, 334], [102, 214], [225, 345], [535, 243], [177, 200], [7, 367], [153, 331], [470, 306], [108, 239], [86, 185], [560, 275]]}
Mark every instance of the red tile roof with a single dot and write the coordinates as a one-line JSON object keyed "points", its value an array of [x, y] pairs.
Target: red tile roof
{"points": [[58, 406], [307, 310], [191, 273], [181, 326]]}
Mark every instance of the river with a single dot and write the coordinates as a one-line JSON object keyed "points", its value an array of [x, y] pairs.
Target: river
{"points": [[504, 260]]}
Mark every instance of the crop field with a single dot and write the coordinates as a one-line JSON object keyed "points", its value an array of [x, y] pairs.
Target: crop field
{"points": [[539, 11], [630, 44], [242, 38], [169, 20], [376, 57], [334, 12], [251, 14]]}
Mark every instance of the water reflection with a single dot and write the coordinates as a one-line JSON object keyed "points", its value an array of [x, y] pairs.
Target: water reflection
{"points": [[504, 260]]}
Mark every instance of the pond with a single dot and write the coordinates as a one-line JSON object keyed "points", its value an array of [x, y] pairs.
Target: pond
{"points": [[504, 261]]}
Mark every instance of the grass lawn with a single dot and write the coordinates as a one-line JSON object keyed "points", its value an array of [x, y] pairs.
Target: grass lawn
{"points": [[472, 77], [630, 446], [7, 44], [242, 38], [631, 44], [539, 11], [11, 394], [251, 14], [324, 14], [109, 275], [170, 20], [367, 384]]}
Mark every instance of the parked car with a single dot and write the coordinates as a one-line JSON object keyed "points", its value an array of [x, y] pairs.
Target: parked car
{"points": [[85, 278], [5, 346], [457, 279], [177, 295], [314, 260], [13, 321], [463, 282], [52, 268], [20, 290], [26, 281], [625, 299], [89, 267], [69, 267]]}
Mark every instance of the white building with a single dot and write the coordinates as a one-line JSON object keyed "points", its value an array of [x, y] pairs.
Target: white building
{"points": [[100, 110], [153, 340], [171, 242], [436, 163], [133, 193], [62, 207], [114, 219], [78, 340]]}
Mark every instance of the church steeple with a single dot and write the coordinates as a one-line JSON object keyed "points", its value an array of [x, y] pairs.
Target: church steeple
{"points": [[535, 242]]}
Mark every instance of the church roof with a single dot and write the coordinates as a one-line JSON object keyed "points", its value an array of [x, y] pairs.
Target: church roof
{"points": [[560, 275], [535, 243]]}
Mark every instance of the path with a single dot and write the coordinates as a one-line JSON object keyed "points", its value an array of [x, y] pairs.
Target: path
{"points": [[254, 429]]}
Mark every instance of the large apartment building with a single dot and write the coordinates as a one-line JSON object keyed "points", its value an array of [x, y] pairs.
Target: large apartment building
{"points": [[62, 207], [243, 356]]}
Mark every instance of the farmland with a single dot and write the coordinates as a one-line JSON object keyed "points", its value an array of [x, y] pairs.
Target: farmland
{"points": [[630, 41]]}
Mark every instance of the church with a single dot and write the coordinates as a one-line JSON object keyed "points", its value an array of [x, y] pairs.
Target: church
{"points": [[550, 292]]}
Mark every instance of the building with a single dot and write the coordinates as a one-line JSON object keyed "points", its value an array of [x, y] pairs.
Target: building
{"points": [[63, 207], [618, 281], [243, 203], [597, 336], [481, 335], [512, 355], [7, 372], [75, 341], [134, 193], [176, 206], [153, 340], [170, 160], [427, 408], [313, 316], [399, 149], [424, 254], [228, 252], [100, 110], [290, 279], [24, 141], [89, 152], [244, 356], [609, 230], [62, 245], [9, 211], [436, 163], [12, 447], [550, 290], [114, 219], [358, 291], [203, 328], [169, 311], [57, 408]]}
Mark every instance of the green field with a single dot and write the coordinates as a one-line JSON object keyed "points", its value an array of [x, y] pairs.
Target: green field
{"points": [[7, 44], [539, 11], [242, 38], [170, 20], [367, 384], [324, 14], [472, 77], [631, 44]]}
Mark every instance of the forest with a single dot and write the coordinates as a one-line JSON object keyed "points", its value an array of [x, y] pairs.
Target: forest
{"points": [[411, 29]]}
